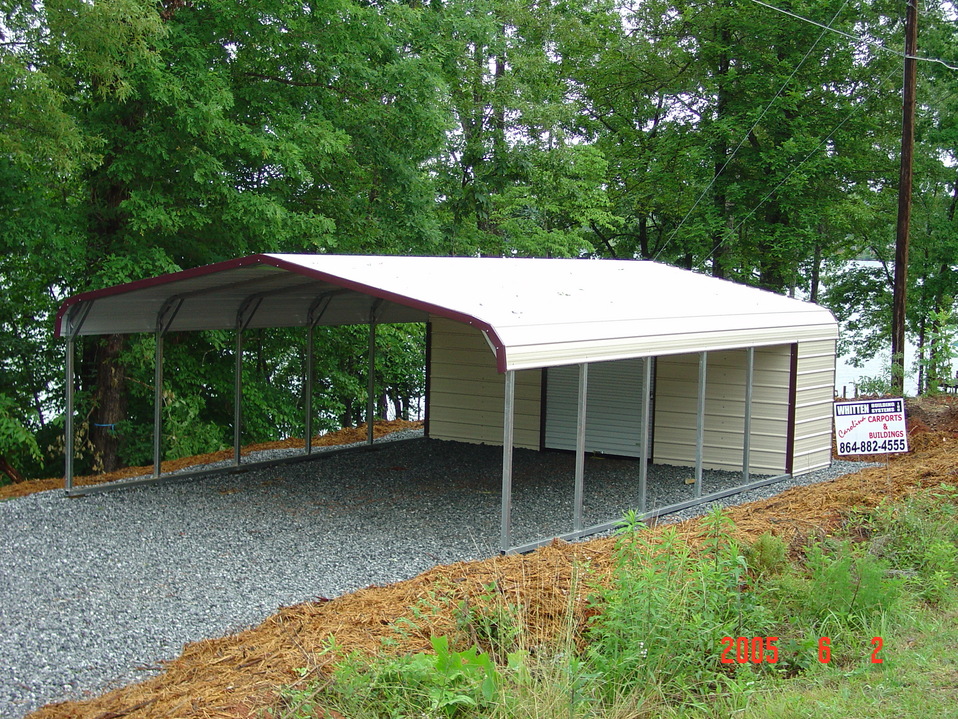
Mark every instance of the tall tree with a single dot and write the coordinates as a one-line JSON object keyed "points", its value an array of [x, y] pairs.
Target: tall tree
{"points": [[222, 129]]}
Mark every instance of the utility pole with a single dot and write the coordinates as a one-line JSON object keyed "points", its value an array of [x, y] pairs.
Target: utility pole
{"points": [[904, 200]]}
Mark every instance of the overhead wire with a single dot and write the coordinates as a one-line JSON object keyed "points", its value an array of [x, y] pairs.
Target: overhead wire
{"points": [[856, 38], [732, 231], [747, 135]]}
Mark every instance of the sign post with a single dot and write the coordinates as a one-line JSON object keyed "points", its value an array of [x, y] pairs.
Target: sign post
{"points": [[871, 426]]}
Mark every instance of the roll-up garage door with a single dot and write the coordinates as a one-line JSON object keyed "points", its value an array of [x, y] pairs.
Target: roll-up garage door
{"points": [[613, 408]]}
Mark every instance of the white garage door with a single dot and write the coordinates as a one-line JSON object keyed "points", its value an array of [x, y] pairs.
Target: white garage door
{"points": [[613, 408]]}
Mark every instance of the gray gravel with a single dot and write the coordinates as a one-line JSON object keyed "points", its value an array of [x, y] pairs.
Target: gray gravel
{"points": [[95, 591]]}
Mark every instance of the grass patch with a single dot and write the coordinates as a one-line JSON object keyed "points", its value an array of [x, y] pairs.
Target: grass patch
{"points": [[683, 630]]}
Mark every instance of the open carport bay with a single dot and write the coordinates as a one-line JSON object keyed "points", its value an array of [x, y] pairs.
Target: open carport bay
{"points": [[97, 590]]}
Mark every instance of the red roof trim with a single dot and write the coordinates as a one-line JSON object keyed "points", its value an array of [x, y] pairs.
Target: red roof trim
{"points": [[262, 259]]}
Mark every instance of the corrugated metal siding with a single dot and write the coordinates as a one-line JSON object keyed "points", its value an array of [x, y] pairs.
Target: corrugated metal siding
{"points": [[613, 407], [813, 406], [676, 391], [466, 393]]}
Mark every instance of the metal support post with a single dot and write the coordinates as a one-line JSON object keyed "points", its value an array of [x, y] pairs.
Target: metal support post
{"points": [[237, 397], [158, 406], [645, 429], [580, 445], [309, 388], [243, 317], [747, 425], [316, 311], [508, 436], [371, 383], [68, 439], [700, 425], [72, 326], [164, 320]]}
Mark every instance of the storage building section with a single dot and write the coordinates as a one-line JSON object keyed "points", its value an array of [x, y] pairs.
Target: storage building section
{"points": [[814, 395], [725, 385], [790, 422], [613, 407], [466, 392]]}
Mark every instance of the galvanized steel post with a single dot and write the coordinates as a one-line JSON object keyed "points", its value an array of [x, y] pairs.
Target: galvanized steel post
{"points": [[158, 404], [371, 380], [309, 389], [580, 445], [747, 428], [700, 425], [508, 435], [164, 320], [71, 327], [68, 440], [645, 429], [237, 396]]}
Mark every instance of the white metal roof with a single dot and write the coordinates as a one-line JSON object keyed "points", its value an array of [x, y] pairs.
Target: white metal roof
{"points": [[534, 312]]}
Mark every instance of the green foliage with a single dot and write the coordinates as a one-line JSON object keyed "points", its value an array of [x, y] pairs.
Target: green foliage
{"points": [[14, 436], [767, 555], [919, 537], [874, 386], [653, 646], [444, 683], [941, 342], [845, 585], [661, 621], [492, 624]]}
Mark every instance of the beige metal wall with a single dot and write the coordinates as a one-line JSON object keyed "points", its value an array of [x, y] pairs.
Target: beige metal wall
{"points": [[466, 394], [676, 395], [466, 402], [814, 395]]}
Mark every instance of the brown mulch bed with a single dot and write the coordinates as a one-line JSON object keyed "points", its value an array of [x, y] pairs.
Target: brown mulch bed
{"points": [[239, 675], [347, 435]]}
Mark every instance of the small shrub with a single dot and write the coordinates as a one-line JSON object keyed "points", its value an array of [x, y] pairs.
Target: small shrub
{"points": [[441, 684], [661, 622], [490, 623], [919, 538], [767, 555]]}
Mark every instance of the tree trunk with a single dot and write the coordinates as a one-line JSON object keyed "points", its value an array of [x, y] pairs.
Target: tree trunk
{"points": [[644, 238], [720, 153], [9, 470], [109, 401], [922, 361], [816, 273]]}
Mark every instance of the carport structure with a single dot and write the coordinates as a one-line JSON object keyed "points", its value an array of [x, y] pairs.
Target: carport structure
{"points": [[620, 357]]}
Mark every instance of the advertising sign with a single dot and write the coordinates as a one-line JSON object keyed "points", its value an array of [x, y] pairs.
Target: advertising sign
{"points": [[871, 426]]}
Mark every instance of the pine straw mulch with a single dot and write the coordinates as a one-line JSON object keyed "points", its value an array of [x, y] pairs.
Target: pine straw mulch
{"points": [[238, 676], [348, 435]]}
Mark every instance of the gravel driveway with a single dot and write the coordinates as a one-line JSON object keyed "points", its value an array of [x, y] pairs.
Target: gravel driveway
{"points": [[94, 591]]}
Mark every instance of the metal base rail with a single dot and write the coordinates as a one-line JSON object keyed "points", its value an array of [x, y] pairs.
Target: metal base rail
{"points": [[678, 507], [229, 469]]}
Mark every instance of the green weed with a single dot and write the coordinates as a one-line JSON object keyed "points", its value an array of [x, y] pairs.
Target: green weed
{"points": [[653, 646]]}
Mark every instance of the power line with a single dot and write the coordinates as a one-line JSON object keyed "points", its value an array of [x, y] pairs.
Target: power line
{"points": [[795, 169], [745, 137], [856, 38]]}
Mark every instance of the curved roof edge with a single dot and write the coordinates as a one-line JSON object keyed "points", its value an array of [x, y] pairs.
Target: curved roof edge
{"points": [[534, 312]]}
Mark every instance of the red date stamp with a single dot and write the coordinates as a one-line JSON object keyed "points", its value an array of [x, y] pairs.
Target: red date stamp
{"points": [[755, 650]]}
